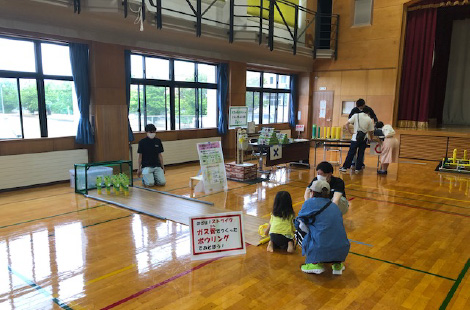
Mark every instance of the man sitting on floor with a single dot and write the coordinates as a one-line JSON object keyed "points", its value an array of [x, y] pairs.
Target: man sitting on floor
{"points": [[150, 159]]}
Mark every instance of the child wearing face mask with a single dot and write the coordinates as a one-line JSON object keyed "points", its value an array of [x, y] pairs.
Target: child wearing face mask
{"points": [[150, 159]]}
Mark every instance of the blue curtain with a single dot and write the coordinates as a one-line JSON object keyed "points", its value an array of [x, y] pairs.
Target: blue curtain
{"points": [[294, 104], [127, 68], [79, 61], [222, 91]]}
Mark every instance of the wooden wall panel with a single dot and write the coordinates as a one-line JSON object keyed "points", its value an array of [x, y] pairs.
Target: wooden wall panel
{"points": [[111, 133], [306, 102], [237, 84], [382, 106], [422, 147], [460, 144], [107, 69], [381, 82], [329, 79], [354, 83]]}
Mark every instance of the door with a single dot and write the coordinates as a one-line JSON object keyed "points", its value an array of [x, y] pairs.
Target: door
{"points": [[323, 108]]}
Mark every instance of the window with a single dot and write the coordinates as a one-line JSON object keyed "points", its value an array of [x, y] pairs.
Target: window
{"points": [[362, 12], [267, 97], [37, 93], [172, 94]]}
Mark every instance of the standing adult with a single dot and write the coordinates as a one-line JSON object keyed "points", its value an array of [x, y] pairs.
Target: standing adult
{"points": [[151, 165], [360, 106], [363, 130], [337, 191]]}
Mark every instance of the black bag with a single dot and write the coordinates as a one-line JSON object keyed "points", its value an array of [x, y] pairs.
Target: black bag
{"points": [[300, 234], [360, 136]]}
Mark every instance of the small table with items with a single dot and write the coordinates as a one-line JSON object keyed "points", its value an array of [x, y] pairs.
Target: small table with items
{"points": [[329, 143], [297, 152]]}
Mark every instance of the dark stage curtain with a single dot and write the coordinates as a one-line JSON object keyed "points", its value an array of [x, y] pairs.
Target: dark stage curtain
{"points": [[445, 20], [416, 71]]}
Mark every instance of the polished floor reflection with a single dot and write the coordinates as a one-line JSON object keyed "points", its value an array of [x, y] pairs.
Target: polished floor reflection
{"points": [[409, 233]]}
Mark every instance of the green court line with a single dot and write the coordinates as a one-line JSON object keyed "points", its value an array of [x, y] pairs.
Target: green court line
{"points": [[40, 289], [454, 287], [56, 215], [228, 190], [412, 206], [403, 266], [31, 199], [434, 202], [107, 221], [174, 189]]}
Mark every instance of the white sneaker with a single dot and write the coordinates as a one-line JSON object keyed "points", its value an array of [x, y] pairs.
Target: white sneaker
{"points": [[338, 268], [342, 169]]}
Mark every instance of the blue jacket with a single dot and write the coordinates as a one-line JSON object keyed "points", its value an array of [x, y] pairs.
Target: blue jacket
{"points": [[326, 240]]}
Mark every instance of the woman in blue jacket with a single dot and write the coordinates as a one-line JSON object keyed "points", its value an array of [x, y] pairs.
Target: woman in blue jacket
{"points": [[326, 240]]}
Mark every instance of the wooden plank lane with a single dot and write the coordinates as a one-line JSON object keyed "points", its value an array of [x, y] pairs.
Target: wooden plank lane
{"points": [[173, 208]]}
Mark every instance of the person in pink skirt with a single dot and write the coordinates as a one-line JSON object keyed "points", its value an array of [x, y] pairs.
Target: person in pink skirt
{"points": [[390, 148]]}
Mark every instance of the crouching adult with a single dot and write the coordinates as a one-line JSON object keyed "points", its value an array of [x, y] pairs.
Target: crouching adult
{"points": [[325, 240]]}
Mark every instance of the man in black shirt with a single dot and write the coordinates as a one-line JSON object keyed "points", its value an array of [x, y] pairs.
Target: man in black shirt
{"points": [[360, 106], [337, 188], [150, 159]]}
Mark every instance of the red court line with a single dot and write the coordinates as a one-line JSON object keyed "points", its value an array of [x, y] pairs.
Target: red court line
{"points": [[414, 207], [117, 303]]}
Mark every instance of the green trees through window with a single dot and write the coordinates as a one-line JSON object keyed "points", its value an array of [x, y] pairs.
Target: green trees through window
{"points": [[172, 94], [37, 94], [267, 97]]}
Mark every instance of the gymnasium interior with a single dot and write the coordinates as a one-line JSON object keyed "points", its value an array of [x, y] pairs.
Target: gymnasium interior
{"points": [[80, 80]]}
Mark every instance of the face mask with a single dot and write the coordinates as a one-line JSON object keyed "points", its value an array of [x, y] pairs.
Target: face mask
{"points": [[321, 178], [151, 135]]}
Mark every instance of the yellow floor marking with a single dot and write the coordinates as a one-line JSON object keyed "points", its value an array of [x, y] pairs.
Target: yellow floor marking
{"points": [[75, 306], [467, 201], [110, 274]]}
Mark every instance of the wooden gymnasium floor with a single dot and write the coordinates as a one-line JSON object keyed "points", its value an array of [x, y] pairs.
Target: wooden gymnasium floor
{"points": [[409, 231]]}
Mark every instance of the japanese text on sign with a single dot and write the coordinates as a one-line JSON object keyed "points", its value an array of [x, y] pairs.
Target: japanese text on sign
{"points": [[217, 235], [238, 117]]}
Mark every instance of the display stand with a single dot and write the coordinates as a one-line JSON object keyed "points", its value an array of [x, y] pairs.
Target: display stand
{"points": [[82, 170]]}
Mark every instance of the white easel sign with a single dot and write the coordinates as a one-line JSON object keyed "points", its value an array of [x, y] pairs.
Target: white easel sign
{"points": [[238, 117], [211, 159], [217, 235], [299, 127]]}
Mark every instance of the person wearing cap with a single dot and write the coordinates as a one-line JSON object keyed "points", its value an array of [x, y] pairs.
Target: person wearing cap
{"points": [[337, 188], [325, 240], [150, 159]]}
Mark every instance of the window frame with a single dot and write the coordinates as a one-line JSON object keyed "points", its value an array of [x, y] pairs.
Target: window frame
{"points": [[271, 91], [40, 77], [174, 86]]}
